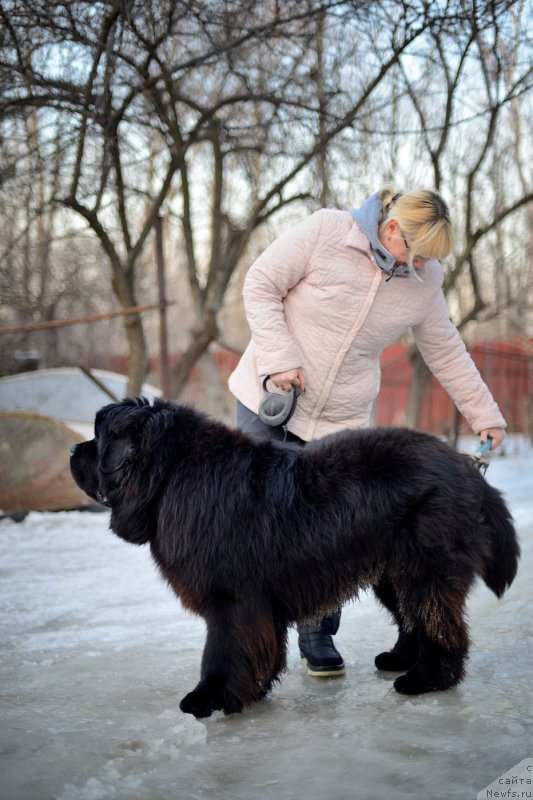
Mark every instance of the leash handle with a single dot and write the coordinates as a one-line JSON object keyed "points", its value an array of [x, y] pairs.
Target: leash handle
{"points": [[275, 410], [480, 457], [294, 390], [484, 448]]}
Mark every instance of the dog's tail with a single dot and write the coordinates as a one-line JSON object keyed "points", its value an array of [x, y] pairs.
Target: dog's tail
{"points": [[501, 560]]}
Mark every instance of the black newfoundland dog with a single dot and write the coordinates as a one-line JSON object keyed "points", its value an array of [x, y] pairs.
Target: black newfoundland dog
{"points": [[255, 536]]}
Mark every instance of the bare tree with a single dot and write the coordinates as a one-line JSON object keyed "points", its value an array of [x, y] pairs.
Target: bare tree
{"points": [[479, 59], [44, 265], [227, 111], [274, 114], [119, 71]]}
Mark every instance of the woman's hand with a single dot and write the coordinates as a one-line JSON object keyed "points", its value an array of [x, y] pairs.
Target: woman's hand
{"points": [[496, 434], [293, 377]]}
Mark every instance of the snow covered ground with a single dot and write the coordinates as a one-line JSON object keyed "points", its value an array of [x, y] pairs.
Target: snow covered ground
{"points": [[96, 654]]}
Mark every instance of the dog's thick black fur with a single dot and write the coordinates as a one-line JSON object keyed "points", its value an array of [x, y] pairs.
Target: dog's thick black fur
{"points": [[253, 536]]}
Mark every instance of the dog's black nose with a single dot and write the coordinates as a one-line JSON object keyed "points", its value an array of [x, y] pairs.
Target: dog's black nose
{"points": [[73, 449]]}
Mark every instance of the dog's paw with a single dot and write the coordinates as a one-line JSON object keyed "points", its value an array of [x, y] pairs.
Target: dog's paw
{"points": [[394, 662], [231, 704], [410, 684], [197, 703], [418, 682], [202, 701]]}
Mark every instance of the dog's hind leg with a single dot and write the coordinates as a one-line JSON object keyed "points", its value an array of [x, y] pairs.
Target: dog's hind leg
{"points": [[406, 650], [442, 635], [280, 661], [240, 660]]}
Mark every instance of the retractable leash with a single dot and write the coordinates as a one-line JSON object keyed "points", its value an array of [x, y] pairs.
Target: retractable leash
{"points": [[275, 410], [480, 457]]}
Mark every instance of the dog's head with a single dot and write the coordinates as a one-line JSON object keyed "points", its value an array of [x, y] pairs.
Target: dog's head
{"points": [[126, 462]]}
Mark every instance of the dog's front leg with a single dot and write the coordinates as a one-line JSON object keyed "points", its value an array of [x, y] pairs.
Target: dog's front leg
{"points": [[241, 658], [211, 693]]}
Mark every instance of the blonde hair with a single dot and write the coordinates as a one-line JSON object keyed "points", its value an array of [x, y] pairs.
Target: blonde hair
{"points": [[424, 220]]}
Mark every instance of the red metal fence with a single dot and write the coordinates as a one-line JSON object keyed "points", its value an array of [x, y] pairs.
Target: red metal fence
{"points": [[506, 368]]}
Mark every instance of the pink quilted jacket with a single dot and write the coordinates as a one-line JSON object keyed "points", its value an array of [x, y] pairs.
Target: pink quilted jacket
{"points": [[316, 299]]}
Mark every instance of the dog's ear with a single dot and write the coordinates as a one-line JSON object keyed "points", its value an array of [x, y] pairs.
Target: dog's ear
{"points": [[158, 427], [116, 453]]}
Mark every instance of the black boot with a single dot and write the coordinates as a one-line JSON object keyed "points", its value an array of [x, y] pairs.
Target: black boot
{"points": [[316, 646]]}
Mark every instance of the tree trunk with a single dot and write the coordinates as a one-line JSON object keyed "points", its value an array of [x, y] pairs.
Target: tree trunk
{"points": [[201, 339], [417, 391], [138, 354]]}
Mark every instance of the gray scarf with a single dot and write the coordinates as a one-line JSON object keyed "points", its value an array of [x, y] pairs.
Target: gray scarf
{"points": [[368, 218]]}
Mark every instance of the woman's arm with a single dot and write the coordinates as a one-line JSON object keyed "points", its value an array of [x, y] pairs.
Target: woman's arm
{"points": [[445, 353], [270, 278]]}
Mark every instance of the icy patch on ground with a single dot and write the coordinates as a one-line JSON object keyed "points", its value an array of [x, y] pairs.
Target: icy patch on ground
{"points": [[96, 654]]}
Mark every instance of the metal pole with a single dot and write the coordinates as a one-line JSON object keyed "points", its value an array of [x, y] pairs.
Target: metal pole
{"points": [[163, 337], [101, 385]]}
